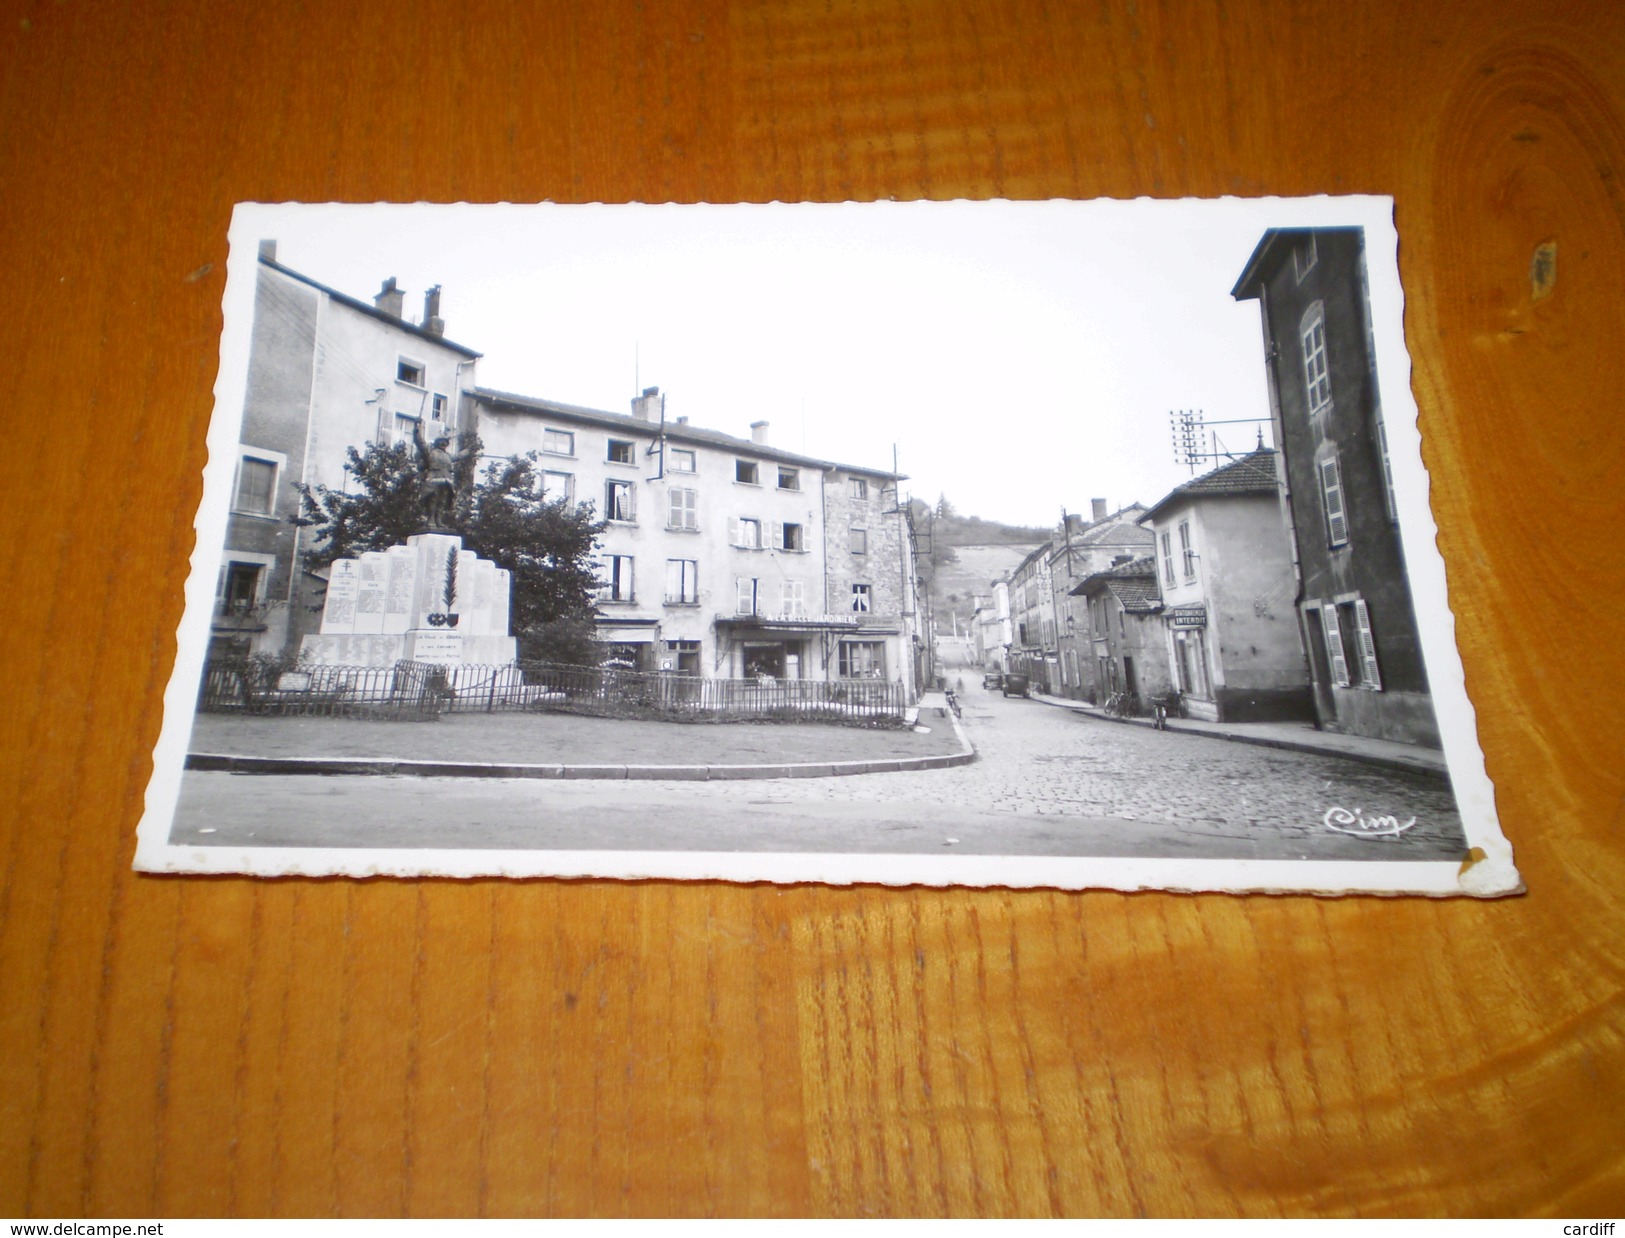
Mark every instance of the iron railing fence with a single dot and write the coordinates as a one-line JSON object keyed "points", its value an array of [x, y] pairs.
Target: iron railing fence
{"points": [[615, 693], [408, 691], [413, 690]]}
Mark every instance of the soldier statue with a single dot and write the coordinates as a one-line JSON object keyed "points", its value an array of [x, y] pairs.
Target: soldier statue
{"points": [[438, 464]]}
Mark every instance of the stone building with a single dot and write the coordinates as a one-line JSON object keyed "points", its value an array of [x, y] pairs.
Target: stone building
{"points": [[1120, 609], [1082, 548], [1033, 651], [326, 371], [1352, 596], [992, 634], [726, 557], [1231, 642]]}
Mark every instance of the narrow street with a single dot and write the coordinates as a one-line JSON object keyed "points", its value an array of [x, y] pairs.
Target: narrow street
{"points": [[1048, 782]]}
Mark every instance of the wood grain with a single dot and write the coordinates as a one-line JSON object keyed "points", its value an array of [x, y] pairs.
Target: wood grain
{"points": [[190, 1047]]}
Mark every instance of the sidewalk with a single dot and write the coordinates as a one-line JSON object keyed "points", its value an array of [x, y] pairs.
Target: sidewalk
{"points": [[548, 745], [1294, 736]]}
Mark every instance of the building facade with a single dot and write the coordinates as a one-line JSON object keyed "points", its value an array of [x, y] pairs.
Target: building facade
{"points": [[1120, 606], [1352, 599], [1033, 651], [1080, 550], [992, 628], [326, 372], [725, 557], [1225, 572]]}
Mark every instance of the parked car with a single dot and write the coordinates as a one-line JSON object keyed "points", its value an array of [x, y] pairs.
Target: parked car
{"points": [[1015, 685], [993, 680]]}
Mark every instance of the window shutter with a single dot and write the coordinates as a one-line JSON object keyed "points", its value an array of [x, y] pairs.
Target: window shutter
{"points": [[747, 595], [1331, 489], [778, 535], [1369, 675], [1387, 472], [1334, 646], [631, 493], [674, 580], [737, 536]]}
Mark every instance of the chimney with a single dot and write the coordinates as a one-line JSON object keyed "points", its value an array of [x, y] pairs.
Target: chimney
{"points": [[682, 421], [268, 251], [646, 407], [390, 299], [1097, 510], [433, 323], [758, 433]]}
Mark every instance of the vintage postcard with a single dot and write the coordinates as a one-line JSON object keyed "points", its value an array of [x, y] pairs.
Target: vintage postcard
{"points": [[1066, 544]]}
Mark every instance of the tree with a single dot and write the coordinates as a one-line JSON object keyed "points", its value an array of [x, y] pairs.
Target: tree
{"points": [[945, 509], [502, 515]]}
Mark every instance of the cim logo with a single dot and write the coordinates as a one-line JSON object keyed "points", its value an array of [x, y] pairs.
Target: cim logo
{"points": [[1356, 822]]}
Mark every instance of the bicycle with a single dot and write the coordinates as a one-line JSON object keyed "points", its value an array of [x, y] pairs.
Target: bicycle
{"points": [[953, 701], [1162, 706], [1119, 704]]}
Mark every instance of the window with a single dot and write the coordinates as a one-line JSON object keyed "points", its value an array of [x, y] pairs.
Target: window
{"points": [[1334, 646], [1387, 471], [860, 488], [789, 537], [439, 406], [682, 510], [1186, 550], [620, 501], [624, 655], [681, 460], [682, 582], [792, 598], [859, 541], [405, 424], [1331, 491], [862, 596], [558, 442], [621, 452], [617, 583], [863, 659], [789, 479], [745, 471], [1190, 663], [748, 533], [556, 486], [1370, 677], [1317, 380], [683, 657], [240, 591], [1350, 646], [256, 486], [1304, 255], [746, 603], [1167, 557], [409, 372]]}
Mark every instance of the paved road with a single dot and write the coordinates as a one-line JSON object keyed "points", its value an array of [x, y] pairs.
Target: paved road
{"points": [[1048, 782]]}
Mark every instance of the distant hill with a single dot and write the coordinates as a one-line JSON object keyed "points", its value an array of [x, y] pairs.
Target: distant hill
{"points": [[967, 554], [949, 528]]}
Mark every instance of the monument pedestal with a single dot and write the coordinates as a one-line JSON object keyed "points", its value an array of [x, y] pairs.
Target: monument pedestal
{"points": [[427, 601]]}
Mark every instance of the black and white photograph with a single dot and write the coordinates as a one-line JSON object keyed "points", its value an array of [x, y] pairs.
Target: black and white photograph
{"points": [[1065, 544]]}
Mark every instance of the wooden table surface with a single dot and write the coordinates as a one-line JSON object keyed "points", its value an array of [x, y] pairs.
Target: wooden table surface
{"points": [[176, 1047]]}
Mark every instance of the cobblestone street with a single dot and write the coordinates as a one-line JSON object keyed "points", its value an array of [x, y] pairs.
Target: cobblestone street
{"points": [[1048, 782]]}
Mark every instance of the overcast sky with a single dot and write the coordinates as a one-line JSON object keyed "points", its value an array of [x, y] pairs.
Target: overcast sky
{"points": [[1022, 357]]}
